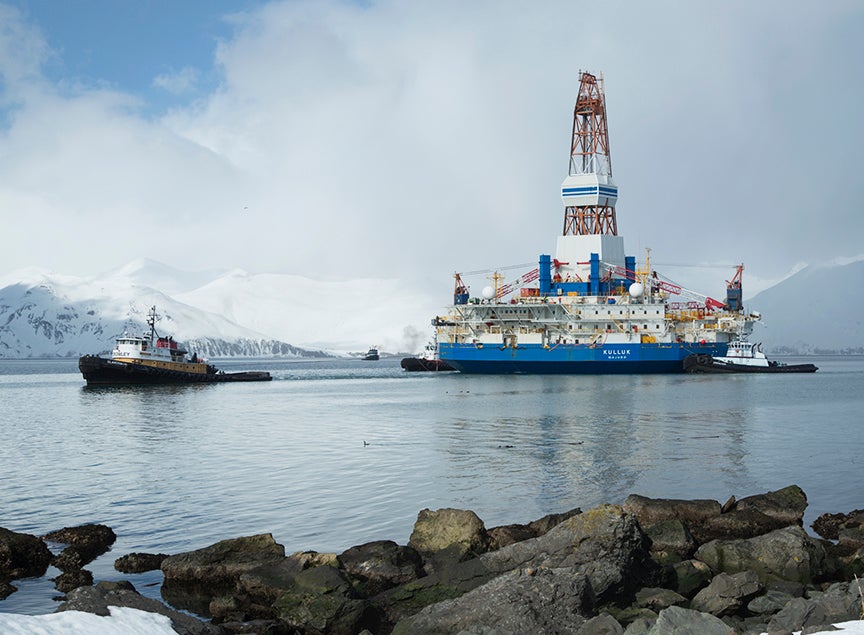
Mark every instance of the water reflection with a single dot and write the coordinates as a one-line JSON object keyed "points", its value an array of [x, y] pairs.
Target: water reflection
{"points": [[339, 453]]}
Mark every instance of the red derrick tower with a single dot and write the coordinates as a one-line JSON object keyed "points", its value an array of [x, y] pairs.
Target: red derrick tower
{"points": [[588, 192]]}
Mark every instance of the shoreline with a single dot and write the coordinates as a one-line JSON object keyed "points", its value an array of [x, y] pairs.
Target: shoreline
{"points": [[673, 550]]}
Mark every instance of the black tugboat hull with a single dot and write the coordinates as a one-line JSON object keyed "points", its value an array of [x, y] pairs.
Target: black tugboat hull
{"points": [[707, 364], [99, 371], [417, 364]]}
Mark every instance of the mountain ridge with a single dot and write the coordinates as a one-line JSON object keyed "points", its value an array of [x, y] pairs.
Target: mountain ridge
{"points": [[45, 314]]}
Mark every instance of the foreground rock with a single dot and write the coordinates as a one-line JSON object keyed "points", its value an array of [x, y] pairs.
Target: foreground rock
{"points": [[525, 600], [654, 566], [97, 599], [86, 542], [21, 556]]}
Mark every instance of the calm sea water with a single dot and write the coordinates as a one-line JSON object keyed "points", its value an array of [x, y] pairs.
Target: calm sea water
{"points": [[337, 453]]}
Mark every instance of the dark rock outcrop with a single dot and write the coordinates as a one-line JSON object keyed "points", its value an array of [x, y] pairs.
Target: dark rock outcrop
{"points": [[509, 534], [22, 555], [693, 513], [604, 544], [377, 566], [786, 505], [447, 536], [829, 525], [600, 572], [97, 599], [680, 621], [221, 564], [727, 594], [72, 579], [526, 600], [671, 541], [139, 562], [690, 576], [322, 601], [86, 542], [785, 554]]}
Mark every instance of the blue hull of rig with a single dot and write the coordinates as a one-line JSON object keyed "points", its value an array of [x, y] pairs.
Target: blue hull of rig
{"points": [[618, 359]]}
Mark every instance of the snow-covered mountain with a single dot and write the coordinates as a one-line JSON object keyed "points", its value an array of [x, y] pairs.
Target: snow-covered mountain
{"points": [[216, 314], [819, 309]]}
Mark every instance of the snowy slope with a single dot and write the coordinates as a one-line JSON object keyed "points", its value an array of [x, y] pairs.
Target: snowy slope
{"points": [[49, 315], [818, 309], [348, 315], [44, 314]]}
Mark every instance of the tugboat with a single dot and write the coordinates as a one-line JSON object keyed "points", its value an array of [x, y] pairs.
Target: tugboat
{"points": [[742, 357], [428, 360], [371, 355], [152, 359]]}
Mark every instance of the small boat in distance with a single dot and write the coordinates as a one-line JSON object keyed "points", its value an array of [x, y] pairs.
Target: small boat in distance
{"points": [[371, 355], [428, 360], [152, 359], [742, 357]]}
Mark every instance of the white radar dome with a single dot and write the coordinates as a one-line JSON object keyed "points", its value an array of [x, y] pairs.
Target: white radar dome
{"points": [[636, 290], [488, 293]]}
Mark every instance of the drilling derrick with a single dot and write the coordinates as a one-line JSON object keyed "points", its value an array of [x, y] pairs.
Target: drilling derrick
{"points": [[588, 192]]}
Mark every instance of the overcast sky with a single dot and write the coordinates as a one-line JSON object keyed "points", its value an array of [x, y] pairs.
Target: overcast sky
{"points": [[412, 139]]}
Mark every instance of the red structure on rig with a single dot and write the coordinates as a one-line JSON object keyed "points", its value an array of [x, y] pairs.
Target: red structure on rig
{"points": [[588, 192]]}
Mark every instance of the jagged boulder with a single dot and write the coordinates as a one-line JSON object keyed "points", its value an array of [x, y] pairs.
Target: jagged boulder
{"points": [[22, 555], [445, 536], [604, 544], [656, 599], [6, 590], [322, 600], [72, 579], [603, 624], [840, 603], [671, 541], [222, 563], [266, 583], [680, 621], [650, 511], [829, 525], [690, 576], [86, 542], [139, 562], [786, 505], [769, 603], [377, 566], [784, 554], [707, 520], [509, 534], [739, 523], [193, 579], [521, 601], [727, 594], [97, 599]]}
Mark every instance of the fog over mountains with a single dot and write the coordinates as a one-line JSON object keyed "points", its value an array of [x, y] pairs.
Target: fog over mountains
{"points": [[819, 309], [216, 313], [234, 313]]}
